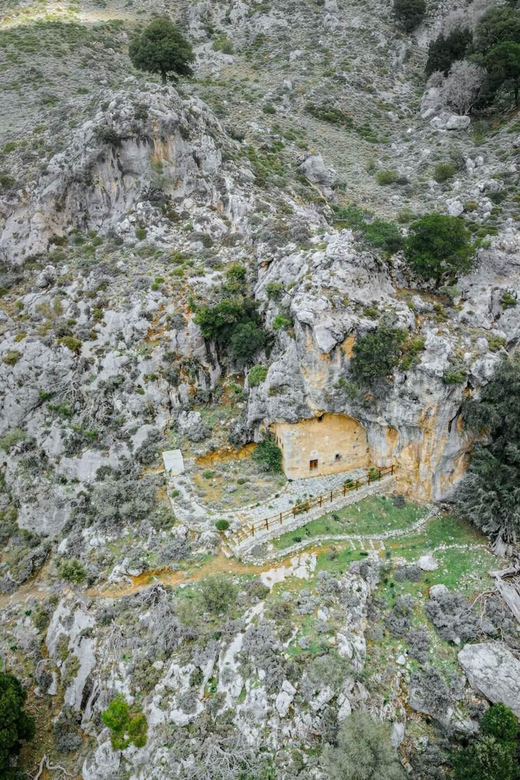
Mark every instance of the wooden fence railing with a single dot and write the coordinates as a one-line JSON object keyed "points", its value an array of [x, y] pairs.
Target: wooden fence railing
{"points": [[304, 506]]}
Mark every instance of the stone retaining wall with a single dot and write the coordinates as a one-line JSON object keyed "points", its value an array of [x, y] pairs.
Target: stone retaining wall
{"points": [[384, 485]]}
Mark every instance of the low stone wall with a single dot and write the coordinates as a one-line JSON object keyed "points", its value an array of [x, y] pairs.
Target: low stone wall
{"points": [[384, 485]]}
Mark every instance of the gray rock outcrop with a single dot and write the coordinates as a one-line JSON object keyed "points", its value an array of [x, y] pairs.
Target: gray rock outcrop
{"points": [[493, 671]]}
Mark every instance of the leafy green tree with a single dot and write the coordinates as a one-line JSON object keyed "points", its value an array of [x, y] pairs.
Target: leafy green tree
{"points": [[489, 494], [502, 63], [486, 759], [247, 339], [376, 354], [364, 751], [500, 24], [222, 321], [383, 235], [500, 722], [447, 49], [219, 594], [15, 724], [409, 13], [128, 725], [269, 454], [439, 248], [162, 48]]}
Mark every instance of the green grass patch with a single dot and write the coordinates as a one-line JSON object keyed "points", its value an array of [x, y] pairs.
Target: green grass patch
{"points": [[373, 515]]}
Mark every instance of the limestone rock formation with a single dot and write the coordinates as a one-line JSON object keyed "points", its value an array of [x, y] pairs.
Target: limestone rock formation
{"points": [[493, 671]]}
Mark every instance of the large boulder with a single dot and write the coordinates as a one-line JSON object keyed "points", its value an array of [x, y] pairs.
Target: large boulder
{"points": [[493, 671]]}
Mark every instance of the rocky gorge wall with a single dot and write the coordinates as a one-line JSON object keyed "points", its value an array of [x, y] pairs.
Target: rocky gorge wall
{"points": [[416, 422]]}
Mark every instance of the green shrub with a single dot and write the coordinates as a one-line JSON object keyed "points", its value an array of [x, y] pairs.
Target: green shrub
{"points": [[281, 323], [454, 376], [15, 725], [443, 172], [509, 300], [376, 354], [269, 455], [257, 375], [412, 349], [108, 135], [383, 235], [386, 177], [6, 181], [222, 525], [274, 290], [141, 233], [500, 722], [439, 248], [12, 357], [363, 751], [496, 343], [222, 44], [128, 725], [12, 438], [73, 571], [162, 48], [409, 13], [486, 759], [219, 594], [350, 216], [71, 343], [330, 113]]}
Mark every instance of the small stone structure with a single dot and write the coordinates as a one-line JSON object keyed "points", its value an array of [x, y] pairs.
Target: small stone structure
{"points": [[326, 444], [173, 462]]}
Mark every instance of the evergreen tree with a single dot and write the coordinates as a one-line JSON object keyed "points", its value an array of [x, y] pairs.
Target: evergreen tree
{"points": [[502, 63], [162, 48], [445, 50], [486, 759], [439, 248], [500, 24], [15, 724], [489, 494], [409, 13], [376, 354]]}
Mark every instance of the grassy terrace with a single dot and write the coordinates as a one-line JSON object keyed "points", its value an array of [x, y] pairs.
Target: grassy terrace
{"points": [[373, 515]]}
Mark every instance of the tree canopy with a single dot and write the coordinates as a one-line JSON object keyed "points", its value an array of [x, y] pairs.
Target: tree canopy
{"points": [[363, 752], [502, 63], [15, 724], [489, 494], [439, 248], [409, 13], [376, 354], [447, 49], [498, 25], [162, 48]]}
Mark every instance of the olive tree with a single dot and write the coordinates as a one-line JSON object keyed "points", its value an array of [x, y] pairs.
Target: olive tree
{"points": [[363, 752]]}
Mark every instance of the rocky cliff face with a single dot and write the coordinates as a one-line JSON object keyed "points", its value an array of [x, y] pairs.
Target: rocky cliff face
{"points": [[125, 206], [141, 143]]}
